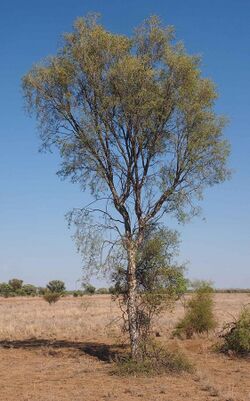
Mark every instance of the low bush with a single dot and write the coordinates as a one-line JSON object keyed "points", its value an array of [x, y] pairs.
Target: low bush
{"points": [[89, 289], [102, 291], [236, 335], [41, 290], [29, 290], [154, 360], [78, 293], [51, 297], [199, 315]]}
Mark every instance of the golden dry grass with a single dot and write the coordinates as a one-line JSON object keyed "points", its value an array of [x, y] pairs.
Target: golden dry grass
{"points": [[70, 318], [69, 362], [89, 317]]}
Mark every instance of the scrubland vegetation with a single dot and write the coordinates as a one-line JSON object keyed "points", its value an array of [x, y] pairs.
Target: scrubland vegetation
{"points": [[74, 349]]}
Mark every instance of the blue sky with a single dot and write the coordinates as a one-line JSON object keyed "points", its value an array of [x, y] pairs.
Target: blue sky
{"points": [[35, 243]]}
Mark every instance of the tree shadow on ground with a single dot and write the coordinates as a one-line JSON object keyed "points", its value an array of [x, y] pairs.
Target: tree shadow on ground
{"points": [[101, 351]]}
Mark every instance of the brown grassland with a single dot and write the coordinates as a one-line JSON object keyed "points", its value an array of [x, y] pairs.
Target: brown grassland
{"points": [[64, 352]]}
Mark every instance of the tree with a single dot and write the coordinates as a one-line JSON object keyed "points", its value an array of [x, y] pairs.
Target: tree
{"points": [[57, 286], [16, 284], [134, 121]]}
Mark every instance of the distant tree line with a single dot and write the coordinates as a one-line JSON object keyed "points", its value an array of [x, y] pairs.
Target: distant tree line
{"points": [[17, 288], [232, 290]]}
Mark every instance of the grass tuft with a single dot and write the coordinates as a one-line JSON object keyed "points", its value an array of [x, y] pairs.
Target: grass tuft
{"points": [[156, 360]]}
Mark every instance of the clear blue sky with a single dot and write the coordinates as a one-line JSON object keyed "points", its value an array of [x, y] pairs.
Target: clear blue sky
{"points": [[35, 243]]}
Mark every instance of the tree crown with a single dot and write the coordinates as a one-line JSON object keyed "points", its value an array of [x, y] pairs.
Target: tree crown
{"points": [[133, 119]]}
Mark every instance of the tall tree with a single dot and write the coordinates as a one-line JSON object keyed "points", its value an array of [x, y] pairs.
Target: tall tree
{"points": [[134, 120]]}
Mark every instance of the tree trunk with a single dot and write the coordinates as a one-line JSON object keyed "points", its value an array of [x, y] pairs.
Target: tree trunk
{"points": [[132, 301]]}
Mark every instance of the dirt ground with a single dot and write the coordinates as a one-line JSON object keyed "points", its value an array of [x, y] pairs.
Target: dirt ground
{"points": [[62, 353]]}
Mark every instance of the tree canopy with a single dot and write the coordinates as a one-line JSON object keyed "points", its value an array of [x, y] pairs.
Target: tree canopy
{"points": [[132, 117]]}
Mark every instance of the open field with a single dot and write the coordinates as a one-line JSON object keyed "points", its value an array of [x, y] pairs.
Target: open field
{"points": [[61, 353]]}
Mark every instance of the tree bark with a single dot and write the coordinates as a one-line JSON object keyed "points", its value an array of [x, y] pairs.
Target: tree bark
{"points": [[132, 300]]}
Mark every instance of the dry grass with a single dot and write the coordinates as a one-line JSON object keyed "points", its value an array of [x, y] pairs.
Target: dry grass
{"points": [[89, 317], [70, 318], [74, 366]]}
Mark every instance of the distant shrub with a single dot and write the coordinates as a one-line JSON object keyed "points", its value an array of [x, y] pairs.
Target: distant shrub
{"points": [[56, 286], [51, 297], [77, 293], [15, 284], [236, 335], [41, 290], [89, 289], [20, 293], [155, 360], [199, 314], [113, 290], [233, 290], [6, 290], [29, 289], [102, 291]]}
